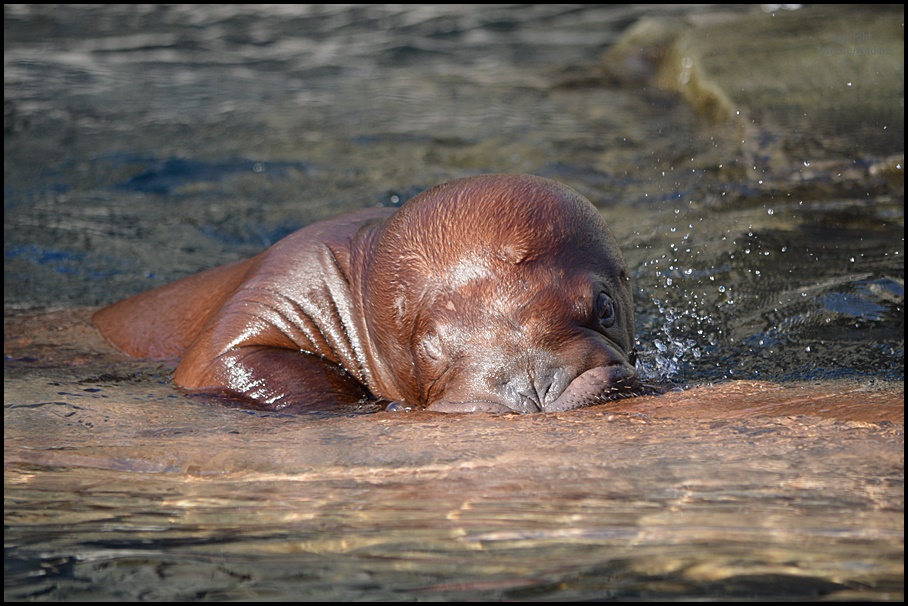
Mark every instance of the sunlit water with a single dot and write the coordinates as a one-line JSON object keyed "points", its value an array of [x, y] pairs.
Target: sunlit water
{"points": [[143, 144]]}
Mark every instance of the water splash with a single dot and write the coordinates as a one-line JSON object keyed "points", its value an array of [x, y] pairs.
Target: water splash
{"points": [[662, 358]]}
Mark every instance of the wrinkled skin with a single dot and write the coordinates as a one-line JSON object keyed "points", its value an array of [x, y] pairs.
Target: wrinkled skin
{"points": [[496, 293]]}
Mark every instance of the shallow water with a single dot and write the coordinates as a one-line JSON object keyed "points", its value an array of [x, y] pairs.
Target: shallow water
{"points": [[145, 144], [719, 492]]}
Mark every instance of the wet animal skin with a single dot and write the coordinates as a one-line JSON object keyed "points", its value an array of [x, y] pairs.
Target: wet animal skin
{"points": [[494, 293]]}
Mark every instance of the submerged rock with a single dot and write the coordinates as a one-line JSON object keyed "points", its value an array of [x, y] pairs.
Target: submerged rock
{"points": [[806, 88]]}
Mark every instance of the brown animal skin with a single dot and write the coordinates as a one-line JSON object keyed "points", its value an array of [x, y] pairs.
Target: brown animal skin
{"points": [[496, 293]]}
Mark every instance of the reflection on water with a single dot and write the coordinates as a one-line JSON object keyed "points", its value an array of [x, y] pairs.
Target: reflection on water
{"points": [[116, 497], [143, 144]]}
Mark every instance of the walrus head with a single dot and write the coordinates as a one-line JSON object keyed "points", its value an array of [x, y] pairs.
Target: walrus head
{"points": [[500, 293]]}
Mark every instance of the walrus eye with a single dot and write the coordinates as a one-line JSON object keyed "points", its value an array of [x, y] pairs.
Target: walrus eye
{"points": [[605, 310], [431, 346]]}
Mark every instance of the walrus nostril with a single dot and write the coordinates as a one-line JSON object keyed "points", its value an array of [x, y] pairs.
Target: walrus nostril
{"points": [[528, 402], [520, 397], [529, 394]]}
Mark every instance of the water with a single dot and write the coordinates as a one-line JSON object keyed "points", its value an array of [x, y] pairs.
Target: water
{"points": [[143, 144]]}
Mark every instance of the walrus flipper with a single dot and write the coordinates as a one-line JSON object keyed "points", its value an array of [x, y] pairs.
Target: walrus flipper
{"points": [[274, 378], [161, 323]]}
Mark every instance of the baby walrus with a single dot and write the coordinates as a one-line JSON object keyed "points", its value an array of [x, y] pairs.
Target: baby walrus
{"points": [[494, 293]]}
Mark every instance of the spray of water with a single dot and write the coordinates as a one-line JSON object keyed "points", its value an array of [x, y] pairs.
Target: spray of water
{"points": [[663, 355]]}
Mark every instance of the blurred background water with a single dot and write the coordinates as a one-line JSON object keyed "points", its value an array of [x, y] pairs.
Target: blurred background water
{"points": [[760, 209]]}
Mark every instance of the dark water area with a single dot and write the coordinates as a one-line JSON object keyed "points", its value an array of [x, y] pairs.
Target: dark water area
{"points": [[749, 161]]}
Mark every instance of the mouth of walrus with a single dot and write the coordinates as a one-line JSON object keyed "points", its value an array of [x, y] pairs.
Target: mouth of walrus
{"points": [[596, 385]]}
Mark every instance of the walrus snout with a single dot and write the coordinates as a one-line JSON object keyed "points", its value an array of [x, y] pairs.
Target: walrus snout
{"points": [[597, 385], [593, 386]]}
